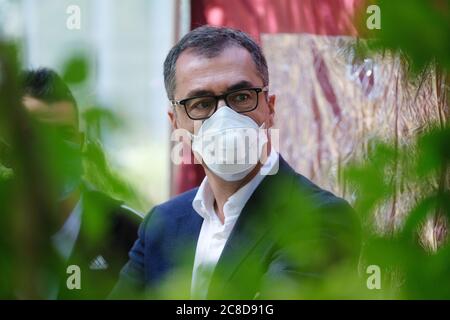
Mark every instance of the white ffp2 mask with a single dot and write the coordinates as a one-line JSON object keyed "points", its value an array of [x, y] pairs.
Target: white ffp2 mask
{"points": [[230, 144]]}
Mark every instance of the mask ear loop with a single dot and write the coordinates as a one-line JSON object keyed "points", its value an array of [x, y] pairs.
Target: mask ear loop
{"points": [[268, 160], [262, 139]]}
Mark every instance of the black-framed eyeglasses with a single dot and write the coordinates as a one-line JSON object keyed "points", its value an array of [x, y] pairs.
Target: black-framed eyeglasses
{"points": [[203, 107]]}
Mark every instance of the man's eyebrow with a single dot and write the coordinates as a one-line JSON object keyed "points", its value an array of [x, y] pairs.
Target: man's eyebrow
{"points": [[241, 85], [201, 92]]}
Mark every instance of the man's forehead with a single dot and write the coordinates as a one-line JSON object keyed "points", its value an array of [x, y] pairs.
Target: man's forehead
{"points": [[58, 113], [195, 71]]}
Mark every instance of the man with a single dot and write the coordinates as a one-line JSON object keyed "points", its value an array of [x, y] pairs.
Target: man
{"points": [[99, 253], [249, 225]]}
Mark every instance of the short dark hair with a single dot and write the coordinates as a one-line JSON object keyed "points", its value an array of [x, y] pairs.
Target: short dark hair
{"points": [[210, 41], [46, 85]]}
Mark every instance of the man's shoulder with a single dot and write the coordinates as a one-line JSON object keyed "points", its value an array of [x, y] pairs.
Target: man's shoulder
{"points": [[334, 211], [334, 214], [172, 219], [176, 207], [314, 194], [122, 221], [109, 206], [317, 194]]}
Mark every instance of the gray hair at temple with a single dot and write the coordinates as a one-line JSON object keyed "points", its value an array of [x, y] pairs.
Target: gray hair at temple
{"points": [[209, 41]]}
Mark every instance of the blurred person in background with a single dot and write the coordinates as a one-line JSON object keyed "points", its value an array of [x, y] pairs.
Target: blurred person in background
{"points": [[94, 231], [249, 227], [6, 173]]}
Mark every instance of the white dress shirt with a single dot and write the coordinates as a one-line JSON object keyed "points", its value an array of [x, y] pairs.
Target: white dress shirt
{"points": [[213, 234], [64, 240]]}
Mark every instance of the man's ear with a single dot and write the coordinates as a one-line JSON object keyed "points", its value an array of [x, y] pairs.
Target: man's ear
{"points": [[271, 104], [173, 118]]}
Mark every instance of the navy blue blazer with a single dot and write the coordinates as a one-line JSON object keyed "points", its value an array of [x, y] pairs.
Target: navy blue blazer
{"points": [[274, 239]]}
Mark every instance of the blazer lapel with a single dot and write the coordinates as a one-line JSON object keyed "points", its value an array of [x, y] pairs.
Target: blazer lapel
{"points": [[249, 233], [188, 231]]}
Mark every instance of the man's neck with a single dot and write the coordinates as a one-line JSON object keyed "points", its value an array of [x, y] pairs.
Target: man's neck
{"points": [[223, 190]]}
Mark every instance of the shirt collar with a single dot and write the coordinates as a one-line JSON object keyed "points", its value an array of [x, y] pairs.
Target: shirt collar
{"points": [[203, 202]]}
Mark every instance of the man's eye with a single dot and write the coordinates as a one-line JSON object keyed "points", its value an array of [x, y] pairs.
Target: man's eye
{"points": [[242, 97], [203, 105]]}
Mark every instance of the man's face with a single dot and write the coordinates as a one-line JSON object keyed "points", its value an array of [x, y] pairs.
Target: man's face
{"points": [[59, 116], [234, 68], [62, 141]]}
